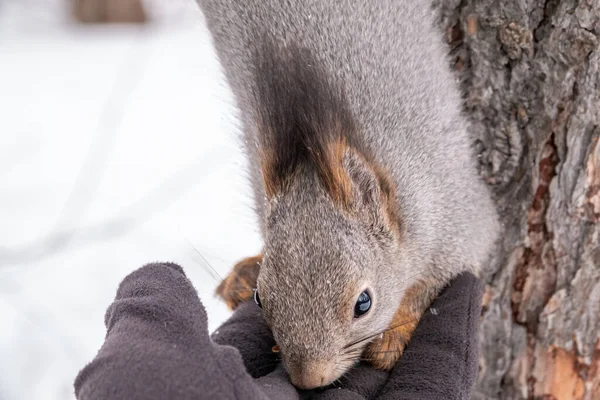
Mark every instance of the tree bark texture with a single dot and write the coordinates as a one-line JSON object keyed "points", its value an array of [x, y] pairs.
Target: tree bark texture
{"points": [[529, 70]]}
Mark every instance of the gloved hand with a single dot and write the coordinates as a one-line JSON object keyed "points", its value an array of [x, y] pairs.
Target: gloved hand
{"points": [[157, 346]]}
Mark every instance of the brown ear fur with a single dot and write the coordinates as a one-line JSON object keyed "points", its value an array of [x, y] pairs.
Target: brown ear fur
{"points": [[328, 167]]}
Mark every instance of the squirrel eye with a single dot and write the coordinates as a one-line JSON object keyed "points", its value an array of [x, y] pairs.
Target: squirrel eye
{"points": [[257, 298], [363, 304]]}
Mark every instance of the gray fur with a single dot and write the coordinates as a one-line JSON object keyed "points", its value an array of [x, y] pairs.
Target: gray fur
{"points": [[392, 65]]}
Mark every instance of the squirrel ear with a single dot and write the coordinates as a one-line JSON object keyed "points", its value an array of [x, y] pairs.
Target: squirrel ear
{"points": [[373, 193], [363, 177]]}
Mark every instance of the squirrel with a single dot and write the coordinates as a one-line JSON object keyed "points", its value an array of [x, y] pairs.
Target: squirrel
{"points": [[362, 170]]}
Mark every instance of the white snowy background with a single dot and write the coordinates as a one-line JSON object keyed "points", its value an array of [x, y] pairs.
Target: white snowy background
{"points": [[117, 148]]}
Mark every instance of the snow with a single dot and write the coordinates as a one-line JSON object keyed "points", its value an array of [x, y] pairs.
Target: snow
{"points": [[117, 148]]}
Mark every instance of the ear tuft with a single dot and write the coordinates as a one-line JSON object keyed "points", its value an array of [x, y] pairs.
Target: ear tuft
{"points": [[303, 120]]}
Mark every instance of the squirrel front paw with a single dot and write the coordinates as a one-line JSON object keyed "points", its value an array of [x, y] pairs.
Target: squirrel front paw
{"points": [[386, 350], [238, 286]]}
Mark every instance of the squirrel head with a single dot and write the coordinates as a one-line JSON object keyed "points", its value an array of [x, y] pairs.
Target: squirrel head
{"points": [[325, 280], [333, 236]]}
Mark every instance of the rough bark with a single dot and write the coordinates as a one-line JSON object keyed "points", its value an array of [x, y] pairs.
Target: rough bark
{"points": [[530, 74], [109, 11]]}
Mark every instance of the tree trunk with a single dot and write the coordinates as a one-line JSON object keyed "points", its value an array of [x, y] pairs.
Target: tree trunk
{"points": [[530, 75], [109, 11]]}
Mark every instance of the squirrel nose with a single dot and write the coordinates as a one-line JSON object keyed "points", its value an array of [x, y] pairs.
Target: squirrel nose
{"points": [[311, 375]]}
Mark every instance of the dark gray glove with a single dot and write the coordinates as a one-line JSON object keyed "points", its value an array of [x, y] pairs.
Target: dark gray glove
{"points": [[157, 346]]}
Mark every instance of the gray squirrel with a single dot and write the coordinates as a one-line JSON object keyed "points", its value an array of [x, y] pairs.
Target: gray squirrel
{"points": [[363, 174]]}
